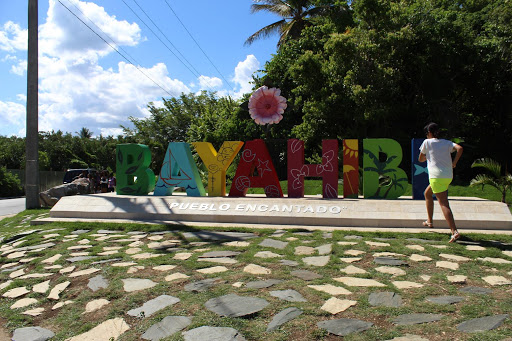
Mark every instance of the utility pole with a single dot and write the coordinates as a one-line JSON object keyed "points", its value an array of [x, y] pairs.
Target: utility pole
{"points": [[32, 134]]}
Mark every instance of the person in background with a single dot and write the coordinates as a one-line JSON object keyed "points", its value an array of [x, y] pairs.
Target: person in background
{"points": [[104, 182], [112, 183], [437, 152]]}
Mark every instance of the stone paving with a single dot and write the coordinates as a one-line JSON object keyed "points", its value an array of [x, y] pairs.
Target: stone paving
{"points": [[285, 285]]}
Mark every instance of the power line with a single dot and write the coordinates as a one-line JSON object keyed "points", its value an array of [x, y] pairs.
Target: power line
{"points": [[196, 73], [106, 42], [182, 24]]}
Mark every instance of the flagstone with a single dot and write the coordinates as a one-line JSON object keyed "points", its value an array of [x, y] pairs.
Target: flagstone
{"points": [[58, 289], [316, 261], [447, 265], [267, 254], [175, 276], [219, 260], [166, 327], [5, 284], [51, 235], [16, 292], [53, 267], [335, 305], [67, 270], [257, 269], [237, 243], [389, 261], [79, 247], [182, 255], [219, 254], [439, 246], [475, 248], [84, 242], [391, 271], [156, 237], [415, 247], [457, 279], [385, 298], [426, 278], [24, 302], [262, 284], [232, 305], [9, 265], [508, 253], [166, 267], [353, 237], [98, 282], [108, 330], [95, 305], [134, 269], [444, 299], [495, 260], [282, 317], [496, 280], [347, 243], [288, 295], [52, 259], [83, 272], [136, 284], [35, 275], [344, 326], [79, 259], [32, 334], [17, 273], [203, 285], [136, 243], [112, 248], [61, 304], [482, 324], [359, 282], [213, 333], [454, 257], [350, 259], [377, 244], [41, 287], [34, 312], [107, 253], [408, 337], [387, 254], [353, 252], [324, 249], [79, 254], [213, 270], [28, 260], [352, 270], [476, 290], [406, 284], [146, 255], [277, 244], [410, 319], [15, 255], [331, 289], [419, 258], [287, 262], [304, 250]]}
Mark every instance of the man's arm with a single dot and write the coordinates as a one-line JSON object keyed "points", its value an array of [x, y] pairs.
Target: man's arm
{"points": [[422, 157]]}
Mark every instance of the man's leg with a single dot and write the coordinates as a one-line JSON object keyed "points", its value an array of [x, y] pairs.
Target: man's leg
{"points": [[429, 201]]}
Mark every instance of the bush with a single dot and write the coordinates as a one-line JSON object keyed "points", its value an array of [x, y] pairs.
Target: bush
{"points": [[10, 185]]}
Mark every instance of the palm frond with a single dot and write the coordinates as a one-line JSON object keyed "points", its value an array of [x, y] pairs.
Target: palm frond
{"points": [[490, 165], [484, 180], [266, 31]]}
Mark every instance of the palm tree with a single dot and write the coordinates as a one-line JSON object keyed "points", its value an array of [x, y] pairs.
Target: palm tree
{"points": [[84, 133], [502, 183], [295, 16]]}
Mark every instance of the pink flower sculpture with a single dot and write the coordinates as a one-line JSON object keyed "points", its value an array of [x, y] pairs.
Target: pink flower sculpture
{"points": [[267, 106]]}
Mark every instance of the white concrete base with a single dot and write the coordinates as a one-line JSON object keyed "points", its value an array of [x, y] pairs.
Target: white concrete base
{"points": [[312, 211]]}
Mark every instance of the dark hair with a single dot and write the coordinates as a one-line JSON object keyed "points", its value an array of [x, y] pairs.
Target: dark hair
{"points": [[432, 128]]}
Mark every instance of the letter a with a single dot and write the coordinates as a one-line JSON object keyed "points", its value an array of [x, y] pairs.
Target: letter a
{"points": [[179, 170], [383, 179], [217, 163], [255, 157], [133, 175]]}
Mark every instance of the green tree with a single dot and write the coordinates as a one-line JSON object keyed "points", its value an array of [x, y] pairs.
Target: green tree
{"points": [[494, 177]]}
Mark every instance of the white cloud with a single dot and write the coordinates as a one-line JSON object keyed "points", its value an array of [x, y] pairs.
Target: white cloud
{"points": [[12, 114], [209, 83], [20, 68], [243, 75], [12, 37], [21, 98]]}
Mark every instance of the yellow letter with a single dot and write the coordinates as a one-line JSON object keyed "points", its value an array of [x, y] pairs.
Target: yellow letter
{"points": [[217, 163]]}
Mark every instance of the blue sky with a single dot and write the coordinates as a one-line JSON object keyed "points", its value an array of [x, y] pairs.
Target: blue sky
{"points": [[83, 82]]}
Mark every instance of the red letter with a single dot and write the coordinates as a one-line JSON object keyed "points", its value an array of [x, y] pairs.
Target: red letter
{"points": [[255, 157], [297, 170]]}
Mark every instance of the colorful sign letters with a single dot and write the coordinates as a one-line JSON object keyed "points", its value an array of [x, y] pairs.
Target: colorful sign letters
{"points": [[382, 177]]}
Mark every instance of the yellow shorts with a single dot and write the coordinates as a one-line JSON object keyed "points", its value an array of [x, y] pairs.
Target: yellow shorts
{"points": [[439, 185]]}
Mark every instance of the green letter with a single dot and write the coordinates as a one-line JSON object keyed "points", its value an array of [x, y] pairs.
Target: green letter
{"points": [[133, 175], [382, 179]]}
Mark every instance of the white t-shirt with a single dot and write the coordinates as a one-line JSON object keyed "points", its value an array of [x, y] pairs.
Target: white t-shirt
{"points": [[439, 159]]}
